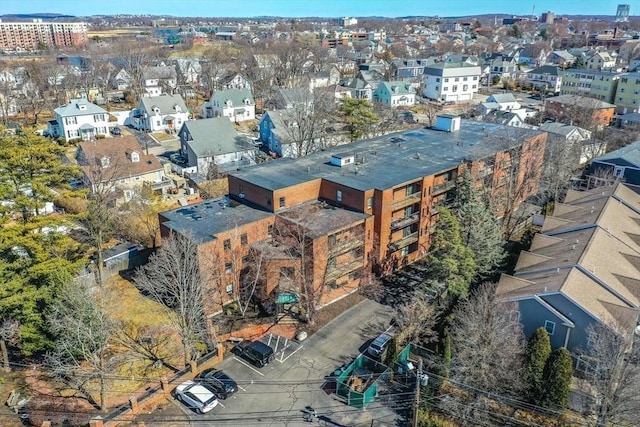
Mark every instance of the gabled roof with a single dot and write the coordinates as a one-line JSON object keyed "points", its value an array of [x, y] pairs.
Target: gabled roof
{"points": [[211, 137], [589, 251], [397, 88], [546, 69], [159, 72], [74, 108], [564, 55], [580, 101], [629, 153], [236, 96], [565, 130], [502, 98], [354, 83], [165, 103]]}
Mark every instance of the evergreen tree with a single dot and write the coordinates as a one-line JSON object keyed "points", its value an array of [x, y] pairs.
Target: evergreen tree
{"points": [[480, 228], [450, 261], [359, 117], [535, 359], [558, 373], [579, 62]]}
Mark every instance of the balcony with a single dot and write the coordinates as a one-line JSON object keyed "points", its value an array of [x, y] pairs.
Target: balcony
{"points": [[405, 241], [337, 271], [159, 185], [403, 222], [406, 201], [443, 188], [345, 245]]}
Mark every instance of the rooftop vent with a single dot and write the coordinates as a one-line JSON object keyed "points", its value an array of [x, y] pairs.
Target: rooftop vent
{"points": [[447, 123]]}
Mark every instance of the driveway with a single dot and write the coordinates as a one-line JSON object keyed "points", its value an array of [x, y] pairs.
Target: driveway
{"points": [[278, 394]]}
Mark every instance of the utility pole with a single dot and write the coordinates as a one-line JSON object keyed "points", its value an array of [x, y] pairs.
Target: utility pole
{"points": [[417, 403]]}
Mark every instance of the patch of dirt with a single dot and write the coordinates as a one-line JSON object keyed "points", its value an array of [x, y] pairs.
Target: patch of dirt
{"points": [[330, 312]]}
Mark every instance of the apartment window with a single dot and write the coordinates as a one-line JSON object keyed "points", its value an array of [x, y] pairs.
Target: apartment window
{"points": [[445, 89], [475, 78], [405, 251], [446, 80], [465, 87], [230, 289], [281, 202], [227, 245], [369, 202], [455, 88], [457, 79], [243, 239], [270, 229], [464, 79], [228, 267], [550, 326], [339, 195], [437, 79]]}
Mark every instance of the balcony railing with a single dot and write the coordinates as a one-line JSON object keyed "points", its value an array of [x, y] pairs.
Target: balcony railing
{"points": [[443, 188], [408, 200], [403, 222], [344, 246], [337, 271], [159, 185], [405, 241]]}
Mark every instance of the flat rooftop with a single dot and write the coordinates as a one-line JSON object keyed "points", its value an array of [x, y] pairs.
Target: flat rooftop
{"points": [[390, 160], [206, 219], [321, 218]]}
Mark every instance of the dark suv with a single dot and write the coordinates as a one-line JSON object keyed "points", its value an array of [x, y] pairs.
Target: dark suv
{"points": [[219, 382], [255, 352]]}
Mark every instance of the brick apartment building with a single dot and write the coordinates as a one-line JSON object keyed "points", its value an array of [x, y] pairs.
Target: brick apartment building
{"points": [[321, 222], [19, 36]]}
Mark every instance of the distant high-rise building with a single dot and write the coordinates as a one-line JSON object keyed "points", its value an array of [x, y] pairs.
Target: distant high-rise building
{"points": [[346, 22], [36, 34], [622, 14], [547, 17]]}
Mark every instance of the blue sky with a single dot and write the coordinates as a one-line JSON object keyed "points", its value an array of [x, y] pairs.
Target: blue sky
{"points": [[295, 8]]}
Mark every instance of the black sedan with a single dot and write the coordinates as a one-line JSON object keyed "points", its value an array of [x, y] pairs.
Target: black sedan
{"points": [[219, 382]]}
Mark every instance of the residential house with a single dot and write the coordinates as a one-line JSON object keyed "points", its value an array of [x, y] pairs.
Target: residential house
{"points": [[237, 105], [288, 98], [402, 68], [276, 129], [159, 80], [162, 113], [547, 78], [371, 77], [600, 61], [576, 136], [214, 141], [621, 164], [628, 121], [504, 67], [79, 119], [581, 111], [358, 88], [451, 81], [232, 80], [561, 58], [318, 79], [118, 166], [395, 94], [627, 97], [601, 85], [532, 55], [505, 101], [189, 70], [351, 205], [505, 118], [122, 80], [582, 268]]}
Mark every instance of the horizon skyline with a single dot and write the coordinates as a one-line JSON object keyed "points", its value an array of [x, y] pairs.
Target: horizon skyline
{"points": [[305, 8]]}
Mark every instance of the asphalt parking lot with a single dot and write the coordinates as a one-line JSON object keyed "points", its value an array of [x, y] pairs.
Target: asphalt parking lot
{"points": [[281, 393]]}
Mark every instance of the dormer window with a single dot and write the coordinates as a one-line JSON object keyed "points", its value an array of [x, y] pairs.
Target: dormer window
{"points": [[246, 101], [177, 108], [104, 161], [155, 109], [135, 157], [229, 103]]}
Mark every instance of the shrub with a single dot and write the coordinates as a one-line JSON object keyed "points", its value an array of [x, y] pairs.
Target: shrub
{"points": [[72, 205], [427, 419]]}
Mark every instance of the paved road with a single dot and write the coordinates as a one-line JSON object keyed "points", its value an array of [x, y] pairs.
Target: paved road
{"points": [[277, 394]]}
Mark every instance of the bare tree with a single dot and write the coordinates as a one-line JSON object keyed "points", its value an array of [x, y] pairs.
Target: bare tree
{"points": [[416, 321], [561, 163], [8, 331], [612, 374], [174, 277], [82, 352]]}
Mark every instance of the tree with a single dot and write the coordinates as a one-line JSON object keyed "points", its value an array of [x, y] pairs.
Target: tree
{"points": [[558, 374], [515, 31], [611, 374], [562, 160], [450, 261], [173, 277], [416, 321], [579, 62], [487, 349], [83, 333], [535, 359], [359, 117], [479, 225], [8, 331]]}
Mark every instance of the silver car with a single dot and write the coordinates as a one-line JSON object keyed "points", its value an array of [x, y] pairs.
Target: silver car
{"points": [[197, 396]]}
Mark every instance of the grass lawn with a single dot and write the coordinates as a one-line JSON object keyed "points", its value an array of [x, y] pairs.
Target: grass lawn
{"points": [[163, 136]]}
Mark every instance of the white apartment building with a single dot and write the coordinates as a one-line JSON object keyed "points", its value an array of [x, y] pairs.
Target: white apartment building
{"points": [[456, 82]]}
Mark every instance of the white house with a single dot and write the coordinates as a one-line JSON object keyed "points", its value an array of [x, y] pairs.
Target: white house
{"points": [[215, 141], [79, 119], [159, 80], [600, 61], [505, 101], [164, 113], [395, 94], [576, 135], [447, 81], [236, 104], [547, 77]]}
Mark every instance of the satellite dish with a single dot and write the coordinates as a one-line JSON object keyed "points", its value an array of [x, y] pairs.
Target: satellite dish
{"points": [[637, 331]]}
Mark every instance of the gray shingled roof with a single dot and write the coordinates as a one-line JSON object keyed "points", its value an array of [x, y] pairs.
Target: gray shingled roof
{"points": [[629, 153], [166, 103], [214, 136], [236, 96], [159, 72], [580, 101], [73, 109], [546, 69]]}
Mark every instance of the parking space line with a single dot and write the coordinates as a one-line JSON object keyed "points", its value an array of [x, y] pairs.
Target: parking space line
{"points": [[292, 353], [220, 403], [242, 388], [248, 366]]}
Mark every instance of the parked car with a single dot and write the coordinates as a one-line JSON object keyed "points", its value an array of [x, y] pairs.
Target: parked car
{"points": [[257, 353], [219, 382], [116, 131], [379, 345], [197, 395]]}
